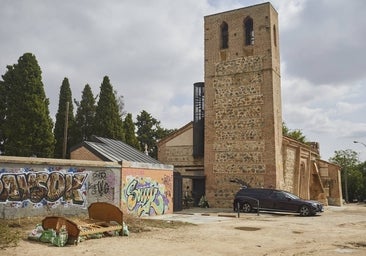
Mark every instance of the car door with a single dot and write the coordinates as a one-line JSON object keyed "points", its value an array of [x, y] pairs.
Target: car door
{"points": [[282, 202], [265, 200]]}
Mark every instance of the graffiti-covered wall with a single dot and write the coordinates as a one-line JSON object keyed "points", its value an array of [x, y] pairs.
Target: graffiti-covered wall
{"points": [[39, 187], [147, 189]]}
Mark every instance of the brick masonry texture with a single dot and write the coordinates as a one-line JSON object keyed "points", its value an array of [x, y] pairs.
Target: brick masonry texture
{"points": [[243, 133]]}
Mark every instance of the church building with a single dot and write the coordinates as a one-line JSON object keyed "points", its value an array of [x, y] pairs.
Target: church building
{"points": [[236, 132]]}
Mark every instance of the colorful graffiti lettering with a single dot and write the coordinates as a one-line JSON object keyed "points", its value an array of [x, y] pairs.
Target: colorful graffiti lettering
{"points": [[51, 186], [145, 197]]}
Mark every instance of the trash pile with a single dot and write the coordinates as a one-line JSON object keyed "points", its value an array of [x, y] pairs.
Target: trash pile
{"points": [[60, 238], [49, 236]]}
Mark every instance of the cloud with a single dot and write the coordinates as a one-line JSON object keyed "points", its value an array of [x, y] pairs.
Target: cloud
{"points": [[152, 52], [327, 42]]}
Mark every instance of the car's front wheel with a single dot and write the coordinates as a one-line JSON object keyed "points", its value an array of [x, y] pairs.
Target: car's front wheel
{"points": [[246, 207], [305, 210]]}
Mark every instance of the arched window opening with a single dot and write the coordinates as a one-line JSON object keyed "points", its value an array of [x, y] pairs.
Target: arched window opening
{"points": [[249, 32], [274, 35], [224, 35]]}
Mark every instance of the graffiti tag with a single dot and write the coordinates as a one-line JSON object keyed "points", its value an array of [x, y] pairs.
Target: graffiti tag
{"points": [[100, 185], [38, 186], [144, 200]]}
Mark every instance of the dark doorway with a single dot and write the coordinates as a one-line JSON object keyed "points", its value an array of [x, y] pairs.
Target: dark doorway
{"points": [[198, 189], [177, 192]]}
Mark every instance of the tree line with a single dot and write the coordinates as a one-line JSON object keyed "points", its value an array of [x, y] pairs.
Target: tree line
{"points": [[353, 175], [26, 128]]}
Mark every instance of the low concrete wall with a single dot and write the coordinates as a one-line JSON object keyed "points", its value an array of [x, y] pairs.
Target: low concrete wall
{"points": [[40, 186]]}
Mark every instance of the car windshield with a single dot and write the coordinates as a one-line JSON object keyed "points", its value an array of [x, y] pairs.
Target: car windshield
{"points": [[292, 196]]}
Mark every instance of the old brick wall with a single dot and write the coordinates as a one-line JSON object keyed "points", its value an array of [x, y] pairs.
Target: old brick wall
{"points": [[331, 180], [290, 169], [243, 116], [309, 177]]}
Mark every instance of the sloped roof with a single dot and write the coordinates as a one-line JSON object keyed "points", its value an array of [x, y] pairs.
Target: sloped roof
{"points": [[115, 150]]}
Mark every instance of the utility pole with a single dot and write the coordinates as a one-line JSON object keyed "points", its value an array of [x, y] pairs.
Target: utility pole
{"points": [[346, 184], [65, 131]]}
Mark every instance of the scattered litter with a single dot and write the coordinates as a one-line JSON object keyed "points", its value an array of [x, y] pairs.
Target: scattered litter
{"points": [[125, 230], [48, 236], [61, 238], [36, 233]]}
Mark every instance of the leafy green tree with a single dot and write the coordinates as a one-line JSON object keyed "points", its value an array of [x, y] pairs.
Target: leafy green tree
{"points": [[130, 135], [149, 132], [64, 105], [85, 114], [294, 134], [27, 127], [350, 174], [356, 184], [108, 122], [362, 168]]}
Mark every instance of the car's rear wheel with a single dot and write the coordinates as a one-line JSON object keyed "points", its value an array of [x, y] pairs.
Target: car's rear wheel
{"points": [[246, 207], [305, 210]]}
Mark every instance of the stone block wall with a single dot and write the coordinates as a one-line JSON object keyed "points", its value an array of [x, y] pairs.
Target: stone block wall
{"points": [[309, 177], [243, 116], [331, 180]]}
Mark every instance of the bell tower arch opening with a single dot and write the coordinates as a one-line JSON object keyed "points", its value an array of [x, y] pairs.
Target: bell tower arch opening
{"points": [[248, 31], [224, 29]]}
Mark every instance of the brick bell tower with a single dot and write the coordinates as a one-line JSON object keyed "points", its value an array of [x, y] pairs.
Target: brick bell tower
{"points": [[243, 115]]}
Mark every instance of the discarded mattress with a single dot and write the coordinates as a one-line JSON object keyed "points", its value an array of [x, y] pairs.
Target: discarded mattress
{"points": [[103, 218]]}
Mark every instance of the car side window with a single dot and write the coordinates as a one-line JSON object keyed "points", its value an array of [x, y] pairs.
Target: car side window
{"points": [[278, 195]]}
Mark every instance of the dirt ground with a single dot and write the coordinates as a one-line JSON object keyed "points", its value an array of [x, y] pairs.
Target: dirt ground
{"points": [[337, 231]]}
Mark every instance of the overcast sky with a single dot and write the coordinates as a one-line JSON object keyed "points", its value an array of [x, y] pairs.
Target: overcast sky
{"points": [[152, 51]]}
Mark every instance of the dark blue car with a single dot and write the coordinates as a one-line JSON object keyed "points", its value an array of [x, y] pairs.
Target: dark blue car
{"points": [[250, 199]]}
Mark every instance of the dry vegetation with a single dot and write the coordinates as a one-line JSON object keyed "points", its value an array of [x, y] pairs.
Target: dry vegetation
{"points": [[337, 231], [11, 231]]}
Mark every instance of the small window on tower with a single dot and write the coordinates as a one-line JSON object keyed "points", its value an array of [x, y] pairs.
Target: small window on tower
{"points": [[274, 35], [248, 31], [224, 44]]}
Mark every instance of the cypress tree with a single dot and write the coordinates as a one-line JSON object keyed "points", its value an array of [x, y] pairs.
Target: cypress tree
{"points": [[85, 114], [2, 114], [108, 122], [28, 127], [65, 98], [129, 129]]}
